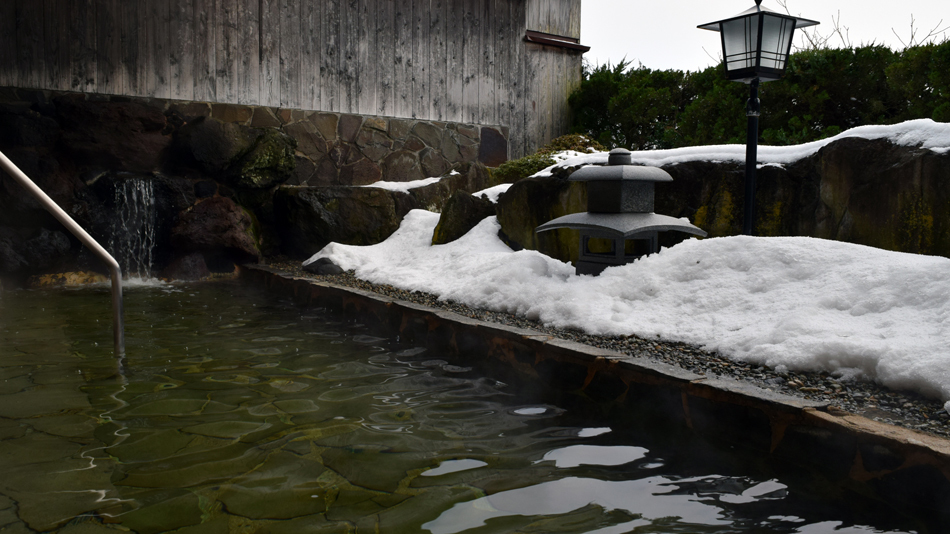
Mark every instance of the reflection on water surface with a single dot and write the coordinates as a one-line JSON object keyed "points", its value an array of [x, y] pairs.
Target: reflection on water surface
{"points": [[238, 412]]}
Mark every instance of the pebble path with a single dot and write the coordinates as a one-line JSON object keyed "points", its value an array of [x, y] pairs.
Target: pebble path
{"points": [[868, 399]]}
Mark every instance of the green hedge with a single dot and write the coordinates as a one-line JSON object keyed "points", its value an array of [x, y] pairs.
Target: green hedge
{"points": [[823, 92], [517, 169]]}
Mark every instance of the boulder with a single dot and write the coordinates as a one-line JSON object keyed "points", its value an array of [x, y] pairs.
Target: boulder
{"points": [[308, 218], [467, 177], [531, 202], [31, 251], [875, 193], [461, 213], [120, 136], [322, 266], [244, 157], [188, 267], [11, 259], [220, 230], [20, 208], [268, 163], [213, 145], [865, 191], [22, 126]]}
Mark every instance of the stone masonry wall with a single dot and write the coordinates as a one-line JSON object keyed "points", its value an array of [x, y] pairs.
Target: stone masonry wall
{"points": [[337, 148], [213, 174]]}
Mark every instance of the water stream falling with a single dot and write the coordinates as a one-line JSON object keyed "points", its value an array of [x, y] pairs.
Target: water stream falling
{"points": [[132, 240]]}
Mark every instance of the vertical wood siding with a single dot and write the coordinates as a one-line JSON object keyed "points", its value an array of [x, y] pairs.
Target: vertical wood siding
{"points": [[447, 60], [557, 17]]}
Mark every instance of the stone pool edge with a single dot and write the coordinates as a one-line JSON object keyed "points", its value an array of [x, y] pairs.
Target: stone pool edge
{"points": [[876, 459]]}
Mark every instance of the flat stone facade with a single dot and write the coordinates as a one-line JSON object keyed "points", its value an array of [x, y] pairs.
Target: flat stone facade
{"points": [[336, 148]]}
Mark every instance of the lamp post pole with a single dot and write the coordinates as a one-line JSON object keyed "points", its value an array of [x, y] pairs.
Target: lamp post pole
{"points": [[751, 155], [755, 48]]}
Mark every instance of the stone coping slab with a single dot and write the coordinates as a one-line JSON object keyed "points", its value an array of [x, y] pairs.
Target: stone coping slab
{"points": [[900, 465]]}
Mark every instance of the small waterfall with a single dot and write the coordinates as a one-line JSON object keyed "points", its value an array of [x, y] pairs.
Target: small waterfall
{"points": [[133, 230]]}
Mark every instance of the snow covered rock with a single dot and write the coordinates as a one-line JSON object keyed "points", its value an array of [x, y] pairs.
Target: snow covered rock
{"points": [[461, 213]]}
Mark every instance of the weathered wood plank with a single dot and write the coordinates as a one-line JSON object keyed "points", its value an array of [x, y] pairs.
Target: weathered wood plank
{"points": [[131, 48], [205, 50], [573, 28], [558, 17], [83, 53], [385, 68], [367, 58], [81, 27], [8, 45], [107, 47], [157, 58], [182, 50], [349, 55], [270, 53], [517, 94], [504, 40], [559, 98], [420, 60], [471, 32], [534, 85], [30, 45], [330, 69], [56, 45], [437, 59], [139, 59], [310, 54], [402, 80], [249, 52], [533, 14], [487, 59], [227, 51], [455, 58], [289, 54]]}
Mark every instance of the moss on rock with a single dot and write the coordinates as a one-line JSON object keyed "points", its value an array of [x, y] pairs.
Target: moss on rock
{"points": [[269, 162], [535, 201]]}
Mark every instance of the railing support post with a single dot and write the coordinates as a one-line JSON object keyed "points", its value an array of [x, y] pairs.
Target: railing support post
{"points": [[118, 328]]}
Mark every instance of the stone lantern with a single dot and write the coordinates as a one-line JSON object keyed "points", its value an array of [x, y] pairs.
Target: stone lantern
{"points": [[619, 225]]}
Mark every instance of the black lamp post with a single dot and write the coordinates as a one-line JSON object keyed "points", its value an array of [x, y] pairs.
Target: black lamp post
{"points": [[755, 48]]}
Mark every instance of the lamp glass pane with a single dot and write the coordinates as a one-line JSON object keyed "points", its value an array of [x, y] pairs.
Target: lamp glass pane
{"points": [[740, 38], [776, 32]]}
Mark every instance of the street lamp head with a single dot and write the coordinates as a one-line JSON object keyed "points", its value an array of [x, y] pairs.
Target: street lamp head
{"points": [[756, 43]]}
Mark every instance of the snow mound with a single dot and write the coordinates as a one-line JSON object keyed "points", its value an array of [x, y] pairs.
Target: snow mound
{"points": [[923, 133], [801, 303]]}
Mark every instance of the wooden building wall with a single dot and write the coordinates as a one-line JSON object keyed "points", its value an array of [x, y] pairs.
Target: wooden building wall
{"points": [[453, 60], [557, 17]]}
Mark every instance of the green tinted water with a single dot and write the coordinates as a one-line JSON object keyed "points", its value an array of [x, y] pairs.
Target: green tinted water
{"points": [[235, 411]]}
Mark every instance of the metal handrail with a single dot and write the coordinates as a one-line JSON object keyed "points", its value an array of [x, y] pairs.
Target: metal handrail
{"points": [[118, 330]]}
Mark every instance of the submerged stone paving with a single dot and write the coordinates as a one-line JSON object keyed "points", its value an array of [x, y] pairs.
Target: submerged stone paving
{"points": [[868, 399]]}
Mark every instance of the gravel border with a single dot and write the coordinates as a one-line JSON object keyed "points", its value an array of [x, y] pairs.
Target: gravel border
{"points": [[868, 399]]}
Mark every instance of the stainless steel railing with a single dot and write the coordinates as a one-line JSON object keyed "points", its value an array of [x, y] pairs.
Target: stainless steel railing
{"points": [[118, 330]]}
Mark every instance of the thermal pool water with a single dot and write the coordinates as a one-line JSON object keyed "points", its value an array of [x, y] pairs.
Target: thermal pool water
{"points": [[236, 411]]}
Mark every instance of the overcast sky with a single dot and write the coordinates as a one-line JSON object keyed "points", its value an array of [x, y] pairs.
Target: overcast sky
{"points": [[663, 35]]}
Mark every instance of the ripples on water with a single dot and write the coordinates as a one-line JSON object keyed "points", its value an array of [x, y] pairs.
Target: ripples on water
{"points": [[238, 412]]}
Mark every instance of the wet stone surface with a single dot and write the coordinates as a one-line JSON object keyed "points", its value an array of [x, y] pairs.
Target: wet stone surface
{"points": [[901, 408]]}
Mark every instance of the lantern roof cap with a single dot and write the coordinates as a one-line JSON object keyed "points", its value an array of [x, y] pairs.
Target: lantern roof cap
{"points": [[621, 225], [619, 167], [799, 21]]}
